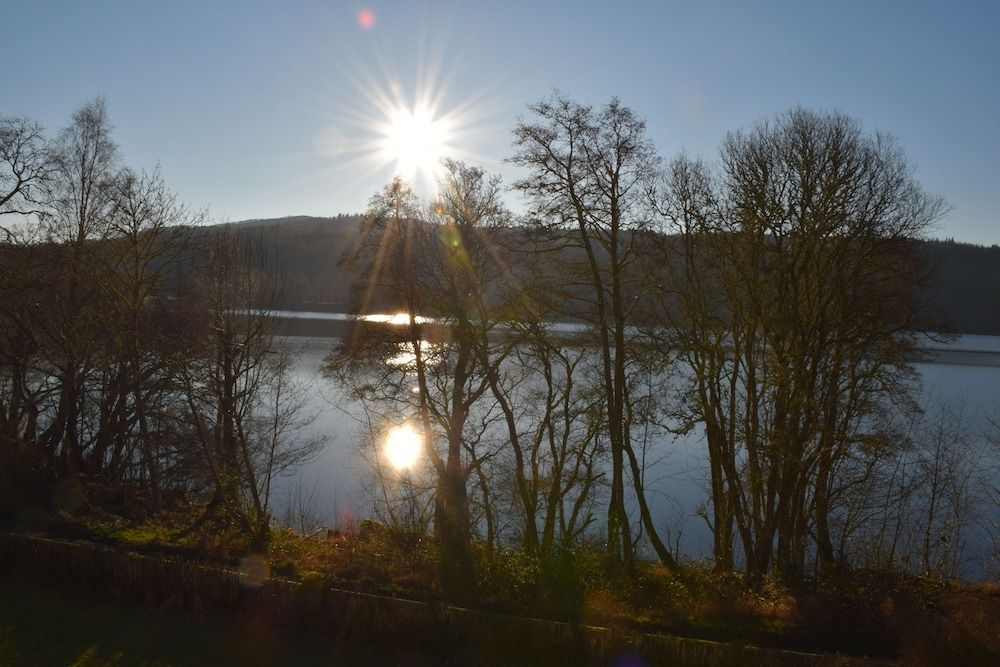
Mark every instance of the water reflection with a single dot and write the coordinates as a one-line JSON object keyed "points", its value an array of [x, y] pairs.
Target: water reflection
{"points": [[406, 358], [403, 446], [333, 481]]}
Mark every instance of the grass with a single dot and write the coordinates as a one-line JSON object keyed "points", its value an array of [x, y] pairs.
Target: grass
{"points": [[879, 614]]}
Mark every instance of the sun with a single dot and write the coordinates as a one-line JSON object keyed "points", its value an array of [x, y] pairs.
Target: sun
{"points": [[386, 124], [402, 447], [415, 140]]}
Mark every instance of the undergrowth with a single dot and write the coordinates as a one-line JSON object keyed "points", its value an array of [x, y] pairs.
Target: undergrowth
{"points": [[878, 613]]}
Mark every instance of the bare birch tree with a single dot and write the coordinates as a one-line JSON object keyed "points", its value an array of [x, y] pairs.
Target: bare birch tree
{"points": [[590, 175]]}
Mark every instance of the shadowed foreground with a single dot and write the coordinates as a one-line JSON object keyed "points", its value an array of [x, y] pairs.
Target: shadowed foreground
{"points": [[285, 622], [41, 627]]}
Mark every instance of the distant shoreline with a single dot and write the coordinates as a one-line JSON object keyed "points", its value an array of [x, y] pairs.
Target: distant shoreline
{"points": [[320, 324]]}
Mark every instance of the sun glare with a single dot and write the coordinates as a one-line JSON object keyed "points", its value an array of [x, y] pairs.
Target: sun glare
{"points": [[397, 126], [396, 319], [399, 319], [402, 447], [415, 140]]}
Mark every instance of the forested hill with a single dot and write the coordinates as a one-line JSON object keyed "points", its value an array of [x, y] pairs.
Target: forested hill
{"points": [[965, 285], [309, 251], [964, 290]]}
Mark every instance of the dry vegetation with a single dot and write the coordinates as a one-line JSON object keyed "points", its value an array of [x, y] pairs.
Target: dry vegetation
{"points": [[880, 614]]}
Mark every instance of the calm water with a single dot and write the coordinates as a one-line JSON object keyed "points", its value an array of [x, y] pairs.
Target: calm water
{"points": [[965, 372]]}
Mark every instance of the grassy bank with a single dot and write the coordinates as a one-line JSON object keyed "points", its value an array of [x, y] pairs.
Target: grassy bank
{"points": [[279, 608], [880, 615]]}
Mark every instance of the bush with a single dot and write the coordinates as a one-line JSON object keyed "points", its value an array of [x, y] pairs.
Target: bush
{"points": [[556, 585]]}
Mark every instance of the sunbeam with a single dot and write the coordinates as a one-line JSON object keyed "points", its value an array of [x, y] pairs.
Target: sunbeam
{"points": [[394, 127]]}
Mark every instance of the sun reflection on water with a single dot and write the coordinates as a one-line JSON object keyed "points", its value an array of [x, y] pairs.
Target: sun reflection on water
{"points": [[396, 319], [403, 446], [406, 356]]}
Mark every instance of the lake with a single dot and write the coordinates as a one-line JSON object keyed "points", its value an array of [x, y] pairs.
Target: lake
{"points": [[965, 373]]}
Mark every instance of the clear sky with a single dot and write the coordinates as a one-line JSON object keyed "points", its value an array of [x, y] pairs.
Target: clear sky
{"points": [[266, 109]]}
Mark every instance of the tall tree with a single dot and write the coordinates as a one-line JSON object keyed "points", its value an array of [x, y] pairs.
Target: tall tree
{"points": [[795, 302], [24, 168], [433, 259], [77, 211], [146, 235], [244, 414], [590, 175]]}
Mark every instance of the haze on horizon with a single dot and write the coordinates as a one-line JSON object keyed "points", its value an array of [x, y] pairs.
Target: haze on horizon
{"points": [[259, 110]]}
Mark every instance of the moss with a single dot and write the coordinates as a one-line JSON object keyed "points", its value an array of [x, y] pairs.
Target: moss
{"points": [[142, 535]]}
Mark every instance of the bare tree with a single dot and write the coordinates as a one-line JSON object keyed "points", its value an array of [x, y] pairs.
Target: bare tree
{"points": [[24, 168], [590, 174], [947, 492], [77, 212], [434, 260], [794, 302], [552, 417], [145, 238], [244, 414]]}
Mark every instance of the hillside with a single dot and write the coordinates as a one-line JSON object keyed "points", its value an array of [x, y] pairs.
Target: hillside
{"points": [[964, 292], [965, 285]]}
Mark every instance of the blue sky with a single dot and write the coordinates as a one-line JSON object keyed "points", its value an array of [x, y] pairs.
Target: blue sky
{"points": [[252, 108]]}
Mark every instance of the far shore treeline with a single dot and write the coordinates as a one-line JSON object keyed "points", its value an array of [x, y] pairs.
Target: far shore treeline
{"points": [[772, 299], [960, 296]]}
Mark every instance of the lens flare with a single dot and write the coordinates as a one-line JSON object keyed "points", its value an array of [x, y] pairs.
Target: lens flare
{"points": [[366, 18], [402, 447]]}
